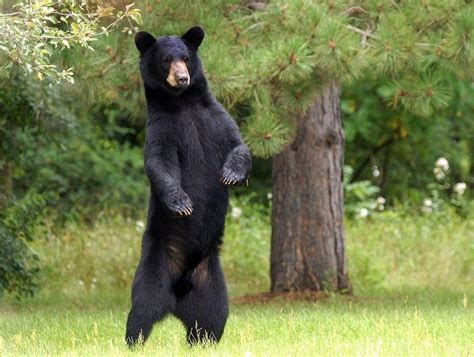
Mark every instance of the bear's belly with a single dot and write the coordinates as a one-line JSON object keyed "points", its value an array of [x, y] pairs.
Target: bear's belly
{"points": [[203, 228]]}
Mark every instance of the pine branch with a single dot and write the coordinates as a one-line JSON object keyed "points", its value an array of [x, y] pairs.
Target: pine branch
{"points": [[367, 34]]}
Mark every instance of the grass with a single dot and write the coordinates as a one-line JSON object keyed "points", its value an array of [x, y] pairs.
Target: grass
{"points": [[394, 251], [413, 279], [416, 324]]}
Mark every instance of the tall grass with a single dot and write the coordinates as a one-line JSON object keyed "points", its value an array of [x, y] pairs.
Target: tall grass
{"points": [[394, 251], [389, 251]]}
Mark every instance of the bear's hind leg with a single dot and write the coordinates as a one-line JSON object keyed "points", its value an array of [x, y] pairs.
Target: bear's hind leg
{"points": [[204, 309], [152, 300]]}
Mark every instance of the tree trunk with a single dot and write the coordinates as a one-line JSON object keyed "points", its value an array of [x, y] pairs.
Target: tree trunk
{"points": [[307, 219]]}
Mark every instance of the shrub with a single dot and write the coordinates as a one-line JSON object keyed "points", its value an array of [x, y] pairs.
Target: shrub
{"points": [[19, 224]]}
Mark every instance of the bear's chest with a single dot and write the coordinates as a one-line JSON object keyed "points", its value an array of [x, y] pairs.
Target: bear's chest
{"points": [[201, 138]]}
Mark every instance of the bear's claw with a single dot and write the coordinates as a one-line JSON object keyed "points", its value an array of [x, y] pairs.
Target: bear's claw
{"points": [[231, 178], [227, 181], [186, 211], [181, 206]]}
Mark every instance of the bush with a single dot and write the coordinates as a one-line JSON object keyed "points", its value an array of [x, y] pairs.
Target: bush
{"points": [[359, 196], [19, 224], [86, 174], [62, 168]]}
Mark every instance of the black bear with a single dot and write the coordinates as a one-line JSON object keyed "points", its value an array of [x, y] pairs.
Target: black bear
{"points": [[193, 153]]}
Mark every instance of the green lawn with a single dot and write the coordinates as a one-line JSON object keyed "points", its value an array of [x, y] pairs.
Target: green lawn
{"points": [[417, 323]]}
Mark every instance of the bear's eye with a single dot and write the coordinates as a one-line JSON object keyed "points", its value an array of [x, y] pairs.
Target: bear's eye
{"points": [[167, 60], [185, 58]]}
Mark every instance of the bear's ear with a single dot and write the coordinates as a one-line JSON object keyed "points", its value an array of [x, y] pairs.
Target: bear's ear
{"points": [[194, 36], [143, 41]]}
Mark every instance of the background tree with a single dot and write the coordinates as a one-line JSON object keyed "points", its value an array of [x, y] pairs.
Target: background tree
{"points": [[417, 52]]}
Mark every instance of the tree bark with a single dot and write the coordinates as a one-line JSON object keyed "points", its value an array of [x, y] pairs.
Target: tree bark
{"points": [[308, 250]]}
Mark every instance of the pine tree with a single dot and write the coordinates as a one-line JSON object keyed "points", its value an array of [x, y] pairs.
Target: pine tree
{"points": [[301, 51], [284, 63]]}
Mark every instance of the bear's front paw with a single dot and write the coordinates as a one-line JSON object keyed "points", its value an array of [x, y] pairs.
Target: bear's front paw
{"points": [[231, 178], [181, 206]]}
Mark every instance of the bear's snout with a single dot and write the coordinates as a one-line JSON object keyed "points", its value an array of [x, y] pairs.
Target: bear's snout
{"points": [[178, 75], [182, 79]]}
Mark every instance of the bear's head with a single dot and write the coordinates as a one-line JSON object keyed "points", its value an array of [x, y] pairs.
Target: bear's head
{"points": [[170, 63]]}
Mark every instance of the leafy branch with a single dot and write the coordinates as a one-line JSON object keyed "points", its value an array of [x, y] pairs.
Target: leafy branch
{"points": [[30, 36]]}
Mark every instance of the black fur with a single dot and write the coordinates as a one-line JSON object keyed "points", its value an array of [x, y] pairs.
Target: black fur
{"points": [[193, 148]]}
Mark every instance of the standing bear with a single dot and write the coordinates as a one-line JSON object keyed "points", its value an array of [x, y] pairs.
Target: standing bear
{"points": [[193, 153]]}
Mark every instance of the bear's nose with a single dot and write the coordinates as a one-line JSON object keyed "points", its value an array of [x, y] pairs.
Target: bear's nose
{"points": [[182, 80]]}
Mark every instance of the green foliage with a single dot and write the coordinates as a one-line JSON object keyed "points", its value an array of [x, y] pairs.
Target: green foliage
{"points": [[85, 174], [396, 150], [393, 54], [21, 209], [81, 176], [349, 42], [424, 94], [80, 167], [34, 31], [359, 196], [266, 134], [336, 50], [31, 36], [19, 224]]}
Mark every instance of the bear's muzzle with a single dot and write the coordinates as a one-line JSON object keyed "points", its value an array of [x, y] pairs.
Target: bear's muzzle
{"points": [[178, 75]]}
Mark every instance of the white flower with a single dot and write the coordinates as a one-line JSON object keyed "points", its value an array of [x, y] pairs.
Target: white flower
{"points": [[363, 212], [442, 163], [427, 202], [380, 201], [236, 212], [439, 173], [139, 225], [375, 171], [459, 188], [427, 205], [269, 196]]}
